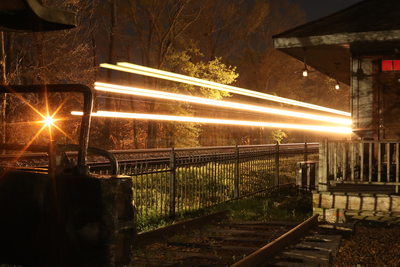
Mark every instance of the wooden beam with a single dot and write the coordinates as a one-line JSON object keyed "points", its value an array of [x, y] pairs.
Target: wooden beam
{"points": [[336, 39]]}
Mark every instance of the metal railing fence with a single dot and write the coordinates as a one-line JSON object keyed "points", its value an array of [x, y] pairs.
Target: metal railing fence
{"points": [[361, 162], [171, 181]]}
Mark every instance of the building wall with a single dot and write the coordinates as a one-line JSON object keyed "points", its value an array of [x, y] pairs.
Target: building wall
{"points": [[388, 87], [375, 99], [362, 97]]}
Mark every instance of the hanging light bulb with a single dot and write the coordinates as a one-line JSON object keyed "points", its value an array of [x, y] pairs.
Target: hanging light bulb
{"points": [[337, 85], [305, 70]]}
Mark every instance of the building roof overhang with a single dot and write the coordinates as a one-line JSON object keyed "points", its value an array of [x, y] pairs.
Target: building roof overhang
{"points": [[328, 43], [30, 15]]}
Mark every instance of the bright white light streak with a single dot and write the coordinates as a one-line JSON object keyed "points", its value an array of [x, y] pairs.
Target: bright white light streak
{"points": [[123, 115], [146, 71], [105, 87], [48, 121]]}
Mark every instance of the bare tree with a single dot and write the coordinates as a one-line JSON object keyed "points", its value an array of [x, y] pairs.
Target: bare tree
{"points": [[158, 26]]}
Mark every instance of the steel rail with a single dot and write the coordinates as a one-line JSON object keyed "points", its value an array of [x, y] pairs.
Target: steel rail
{"points": [[273, 248], [283, 147]]}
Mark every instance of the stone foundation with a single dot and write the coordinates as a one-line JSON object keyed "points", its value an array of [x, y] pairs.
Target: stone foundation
{"points": [[339, 206]]}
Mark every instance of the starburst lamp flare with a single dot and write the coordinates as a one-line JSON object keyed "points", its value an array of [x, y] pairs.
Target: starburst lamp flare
{"points": [[48, 121]]}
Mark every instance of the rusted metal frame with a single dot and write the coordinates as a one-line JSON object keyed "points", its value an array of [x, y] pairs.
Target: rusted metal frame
{"points": [[273, 248], [111, 157]]}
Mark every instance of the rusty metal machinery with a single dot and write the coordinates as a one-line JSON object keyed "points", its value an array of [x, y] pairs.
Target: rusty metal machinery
{"points": [[61, 215]]}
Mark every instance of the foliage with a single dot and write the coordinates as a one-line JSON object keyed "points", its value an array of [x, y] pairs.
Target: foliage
{"points": [[287, 204], [278, 135], [283, 204], [202, 185], [199, 38], [187, 134]]}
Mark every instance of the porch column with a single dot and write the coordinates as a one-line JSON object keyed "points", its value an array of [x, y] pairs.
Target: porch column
{"points": [[323, 166], [362, 97]]}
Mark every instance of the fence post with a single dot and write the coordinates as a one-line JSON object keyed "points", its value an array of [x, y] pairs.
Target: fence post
{"points": [[305, 152], [236, 192], [276, 182], [323, 166], [172, 183]]}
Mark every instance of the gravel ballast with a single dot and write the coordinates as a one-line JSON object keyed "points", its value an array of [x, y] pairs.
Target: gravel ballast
{"points": [[372, 244]]}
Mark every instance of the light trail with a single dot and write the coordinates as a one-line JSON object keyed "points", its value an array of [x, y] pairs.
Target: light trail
{"points": [[124, 115], [146, 71], [105, 87]]}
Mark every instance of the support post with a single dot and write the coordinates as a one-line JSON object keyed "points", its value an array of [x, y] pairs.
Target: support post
{"points": [[305, 152], [236, 192], [276, 182], [172, 184], [323, 166]]}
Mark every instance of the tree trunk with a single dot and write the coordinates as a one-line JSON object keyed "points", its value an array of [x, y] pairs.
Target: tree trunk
{"points": [[108, 123], [4, 96]]}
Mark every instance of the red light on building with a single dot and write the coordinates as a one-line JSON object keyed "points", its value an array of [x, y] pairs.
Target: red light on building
{"points": [[391, 65], [396, 65], [387, 65]]}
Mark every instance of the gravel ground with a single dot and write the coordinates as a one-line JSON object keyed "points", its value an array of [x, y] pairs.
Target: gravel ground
{"points": [[372, 244]]}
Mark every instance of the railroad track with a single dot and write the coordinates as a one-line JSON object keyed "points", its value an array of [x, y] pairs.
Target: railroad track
{"points": [[237, 244], [154, 157]]}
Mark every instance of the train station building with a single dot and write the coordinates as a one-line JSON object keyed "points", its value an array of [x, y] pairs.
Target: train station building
{"points": [[358, 46]]}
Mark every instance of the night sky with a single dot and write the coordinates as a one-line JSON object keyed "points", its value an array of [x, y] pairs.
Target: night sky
{"points": [[319, 8]]}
